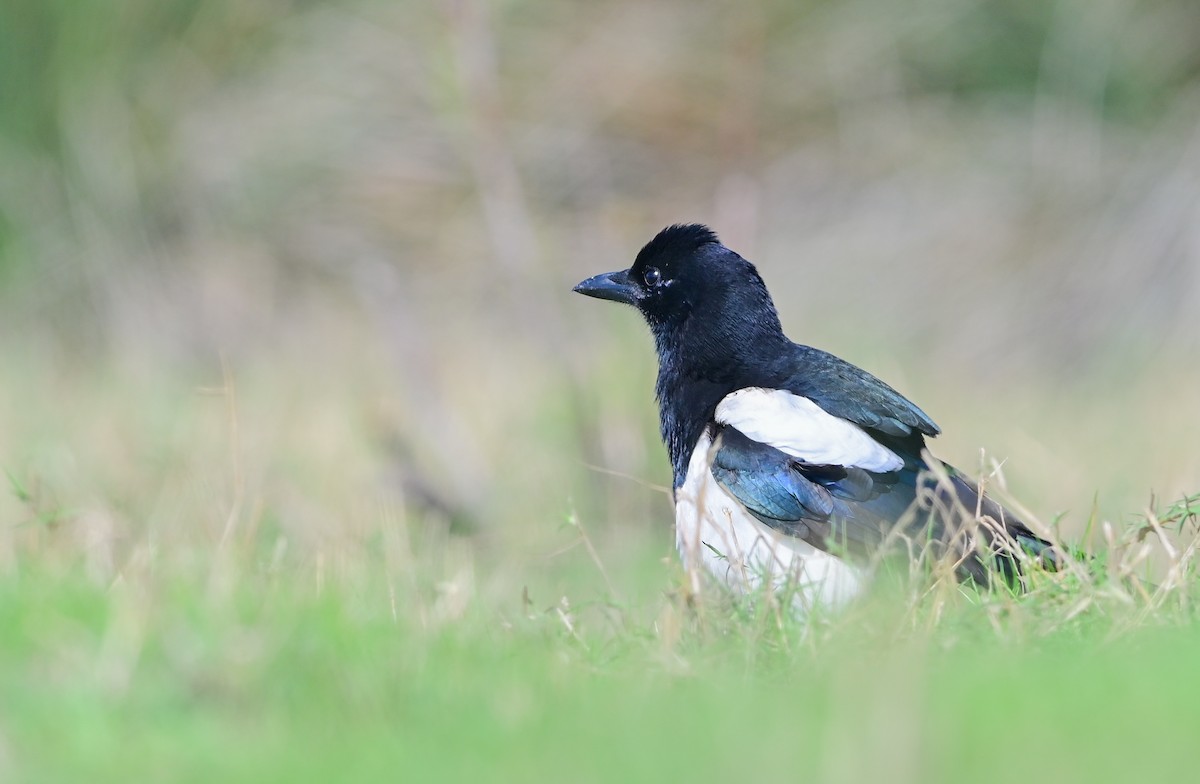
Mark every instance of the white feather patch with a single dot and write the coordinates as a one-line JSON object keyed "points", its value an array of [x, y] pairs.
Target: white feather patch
{"points": [[714, 532], [799, 427]]}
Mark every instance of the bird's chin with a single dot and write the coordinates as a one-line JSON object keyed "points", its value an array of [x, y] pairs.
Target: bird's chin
{"points": [[613, 286]]}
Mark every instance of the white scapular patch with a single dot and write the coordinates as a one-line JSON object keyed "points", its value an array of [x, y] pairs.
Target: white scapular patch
{"points": [[799, 427], [715, 532]]}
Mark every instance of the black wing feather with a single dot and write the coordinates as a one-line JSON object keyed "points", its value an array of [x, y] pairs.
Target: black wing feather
{"points": [[852, 393], [847, 509], [764, 479], [817, 503]]}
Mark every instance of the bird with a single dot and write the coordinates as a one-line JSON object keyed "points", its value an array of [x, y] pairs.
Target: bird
{"points": [[792, 468]]}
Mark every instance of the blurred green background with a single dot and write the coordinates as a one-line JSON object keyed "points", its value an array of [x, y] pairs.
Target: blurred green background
{"points": [[285, 286]]}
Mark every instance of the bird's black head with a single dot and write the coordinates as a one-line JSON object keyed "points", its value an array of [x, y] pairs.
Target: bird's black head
{"points": [[714, 325], [693, 290]]}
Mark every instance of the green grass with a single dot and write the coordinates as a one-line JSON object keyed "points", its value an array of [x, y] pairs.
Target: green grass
{"points": [[162, 677]]}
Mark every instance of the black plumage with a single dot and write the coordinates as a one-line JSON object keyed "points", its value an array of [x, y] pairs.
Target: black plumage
{"points": [[716, 331]]}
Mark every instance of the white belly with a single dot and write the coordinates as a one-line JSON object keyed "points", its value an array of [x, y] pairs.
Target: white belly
{"points": [[713, 531]]}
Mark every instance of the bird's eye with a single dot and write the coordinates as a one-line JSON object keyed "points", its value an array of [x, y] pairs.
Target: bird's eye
{"points": [[652, 276]]}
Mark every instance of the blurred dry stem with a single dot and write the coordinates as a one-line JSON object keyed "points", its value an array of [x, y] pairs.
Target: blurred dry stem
{"points": [[497, 179]]}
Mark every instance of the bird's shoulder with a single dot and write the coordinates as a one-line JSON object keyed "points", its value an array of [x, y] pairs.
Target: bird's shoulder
{"points": [[849, 392]]}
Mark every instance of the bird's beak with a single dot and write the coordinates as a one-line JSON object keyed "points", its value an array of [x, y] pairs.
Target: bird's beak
{"points": [[616, 286]]}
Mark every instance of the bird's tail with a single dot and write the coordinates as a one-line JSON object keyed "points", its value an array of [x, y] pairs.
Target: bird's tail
{"points": [[984, 530]]}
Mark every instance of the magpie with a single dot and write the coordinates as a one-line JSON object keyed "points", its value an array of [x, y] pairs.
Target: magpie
{"points": [[792, 466]]}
